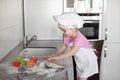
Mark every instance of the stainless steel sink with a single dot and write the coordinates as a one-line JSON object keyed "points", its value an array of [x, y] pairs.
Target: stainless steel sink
{"points": [[36, 52]]}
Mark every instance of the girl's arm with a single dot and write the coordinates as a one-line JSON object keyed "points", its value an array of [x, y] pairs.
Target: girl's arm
{"points": [[61, 50], [67, 54]]}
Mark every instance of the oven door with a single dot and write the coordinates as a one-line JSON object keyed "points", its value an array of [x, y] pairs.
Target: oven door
{"points": [[90, 30]]}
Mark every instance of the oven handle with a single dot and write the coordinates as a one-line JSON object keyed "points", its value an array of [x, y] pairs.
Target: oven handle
{"points": [[91, 21]]}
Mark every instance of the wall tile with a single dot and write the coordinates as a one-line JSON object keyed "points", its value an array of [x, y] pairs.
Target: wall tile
{"points": [[11, 29]]}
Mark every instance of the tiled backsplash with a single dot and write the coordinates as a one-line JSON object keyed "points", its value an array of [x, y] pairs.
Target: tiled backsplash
{"points": [[11, 33]]}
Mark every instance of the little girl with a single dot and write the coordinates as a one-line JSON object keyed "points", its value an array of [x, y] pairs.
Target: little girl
{"points": [[85, 58]]}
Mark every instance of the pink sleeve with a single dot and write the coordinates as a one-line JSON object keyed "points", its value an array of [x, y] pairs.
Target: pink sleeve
{"points": [[81, 41], [77, 42], [66, 40]]}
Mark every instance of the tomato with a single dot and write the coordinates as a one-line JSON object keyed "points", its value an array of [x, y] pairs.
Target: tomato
{"points": [[16, 64], [29, 63], [34, 59]]}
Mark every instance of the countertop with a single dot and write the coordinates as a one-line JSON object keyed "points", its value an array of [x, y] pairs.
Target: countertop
{"points": [[37, 72], [54, 44]]}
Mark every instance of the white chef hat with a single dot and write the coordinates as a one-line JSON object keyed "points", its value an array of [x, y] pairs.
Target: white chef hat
{"points": [[69, 20]]}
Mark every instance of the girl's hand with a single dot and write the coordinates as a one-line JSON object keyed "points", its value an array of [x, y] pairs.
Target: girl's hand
{"points": [[52, 58], [46, 57]]}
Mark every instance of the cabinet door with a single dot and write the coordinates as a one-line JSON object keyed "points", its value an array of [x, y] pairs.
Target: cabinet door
{"points": [[96, 5], [111, 64], [98, 45], [111, 20], [83, 6]]}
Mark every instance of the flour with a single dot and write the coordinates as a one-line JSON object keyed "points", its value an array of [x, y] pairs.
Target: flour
{"points": [[42, 70], [38, 69], [8, 68]]}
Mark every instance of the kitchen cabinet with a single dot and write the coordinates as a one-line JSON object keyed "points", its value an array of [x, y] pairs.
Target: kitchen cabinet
{"points": [[111, 22], [83, 6], [111, 63]]}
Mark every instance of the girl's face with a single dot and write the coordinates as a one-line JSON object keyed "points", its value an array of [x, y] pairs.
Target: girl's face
{"points": [[67, 31]]}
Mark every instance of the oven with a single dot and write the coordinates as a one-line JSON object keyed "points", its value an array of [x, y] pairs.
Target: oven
{"points": [[90, 28]]}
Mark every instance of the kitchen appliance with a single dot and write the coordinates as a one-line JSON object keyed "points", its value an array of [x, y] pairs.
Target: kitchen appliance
{"points": [[91, 26]]}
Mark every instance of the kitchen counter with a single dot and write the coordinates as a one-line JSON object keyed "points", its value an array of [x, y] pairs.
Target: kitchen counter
{"points": [[55, 44], [44, 47], [95, 44], [37, 72]]}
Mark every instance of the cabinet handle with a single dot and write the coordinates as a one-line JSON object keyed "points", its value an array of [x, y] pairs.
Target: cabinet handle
{"points": [[106, 33], [91, 3], [105, 52]]}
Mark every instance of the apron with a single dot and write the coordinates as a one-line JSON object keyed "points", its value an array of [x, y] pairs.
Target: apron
{"points": [[86, 62]]}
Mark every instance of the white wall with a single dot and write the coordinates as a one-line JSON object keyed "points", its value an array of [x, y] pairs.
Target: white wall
{"points": [[10, 25], [39, 18]]}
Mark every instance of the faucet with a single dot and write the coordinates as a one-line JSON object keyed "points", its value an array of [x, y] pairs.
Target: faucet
{"points": [[26, 41]]}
